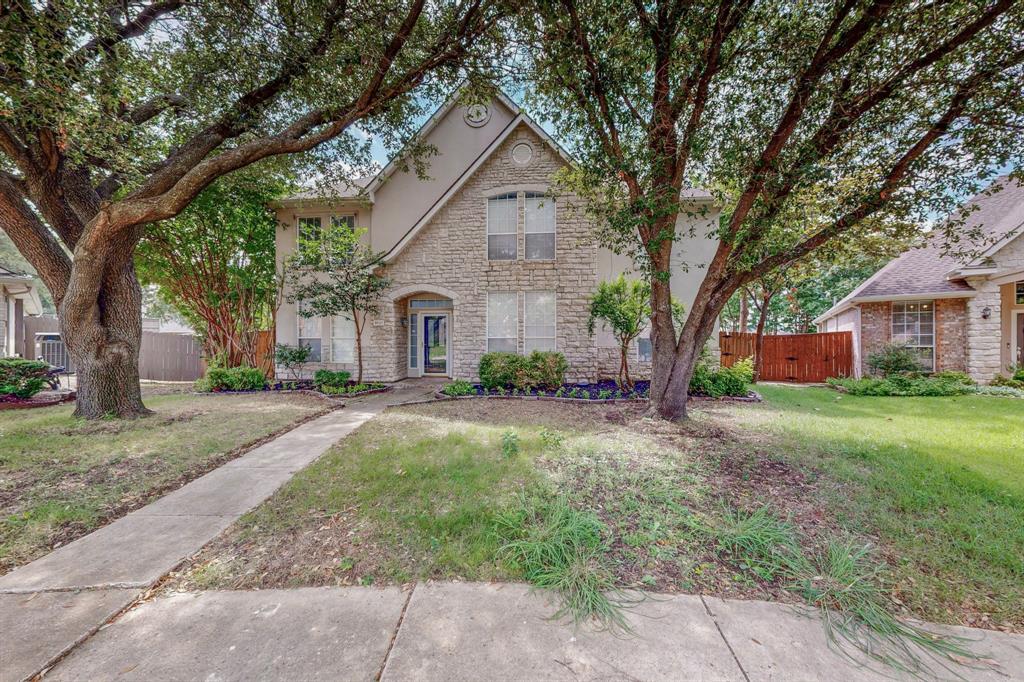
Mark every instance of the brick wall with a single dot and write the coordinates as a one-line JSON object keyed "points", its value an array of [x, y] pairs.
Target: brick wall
{"points": [[875, 329], [951, 334]]}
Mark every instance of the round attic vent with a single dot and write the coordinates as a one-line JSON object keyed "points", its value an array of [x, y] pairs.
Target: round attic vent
{"points": [[522, 153], [477, 115]]}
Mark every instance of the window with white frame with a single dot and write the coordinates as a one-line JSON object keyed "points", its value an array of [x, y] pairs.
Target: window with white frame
{"points": [[540, 227], [346, 221], [502, 321], [343, 339], [540, 321], [913, 324], [502, 218], [1019, 295], [309, 334]]}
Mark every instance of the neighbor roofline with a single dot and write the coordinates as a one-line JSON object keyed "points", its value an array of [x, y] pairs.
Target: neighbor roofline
{"points": [[854, 302]]}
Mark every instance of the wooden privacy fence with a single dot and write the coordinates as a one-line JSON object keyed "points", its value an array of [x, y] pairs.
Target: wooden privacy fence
{"points": [[170, 357], [800, 358]]}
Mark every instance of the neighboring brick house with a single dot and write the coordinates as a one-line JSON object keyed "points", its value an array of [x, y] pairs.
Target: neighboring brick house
{"points": [[966, 317], [18, 297], [481, 255]]}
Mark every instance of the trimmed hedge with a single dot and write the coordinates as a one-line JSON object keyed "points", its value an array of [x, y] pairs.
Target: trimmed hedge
{"points": [[22, 378], [722, 381], [232, 379], [327, 378], [905, 385], [539, 369]]}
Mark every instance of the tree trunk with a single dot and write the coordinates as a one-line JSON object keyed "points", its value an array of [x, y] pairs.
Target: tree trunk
{"points": [[106, 350], [744, 311], [359, 347], [624, 381]]}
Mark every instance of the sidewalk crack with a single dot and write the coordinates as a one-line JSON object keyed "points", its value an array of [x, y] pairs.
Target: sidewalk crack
{"points": [[722, 635], [394, 635]]}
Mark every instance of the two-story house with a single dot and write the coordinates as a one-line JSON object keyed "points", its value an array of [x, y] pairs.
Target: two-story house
{"points": [[481, 255]]}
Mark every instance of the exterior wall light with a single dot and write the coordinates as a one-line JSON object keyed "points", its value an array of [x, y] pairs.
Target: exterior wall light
{"points": [[986, 313]]}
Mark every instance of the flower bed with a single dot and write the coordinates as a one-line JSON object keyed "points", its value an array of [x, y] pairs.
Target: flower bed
{"points": [[45, 399], [307, 386], [606, 391]]}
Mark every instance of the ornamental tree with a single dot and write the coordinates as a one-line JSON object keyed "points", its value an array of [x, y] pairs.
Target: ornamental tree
{"points": [[624, 306], [657, 96], [215, 264], [334, 273], [116, 115]]}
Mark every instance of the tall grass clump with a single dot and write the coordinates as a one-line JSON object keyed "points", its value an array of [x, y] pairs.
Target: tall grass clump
{"points": [[844, 583], [559, 548]]}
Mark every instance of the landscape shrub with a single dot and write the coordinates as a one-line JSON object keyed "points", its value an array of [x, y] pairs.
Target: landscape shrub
{"points": [[959, 377], [539, 369], [547, 368], [22, 378], [458, 387], [722, 381], [326, 377], [893, 358], [292, 358], [498, 370], [232, 379], [903, 385], [351, 389], [1017, 373], [1006, 391]]}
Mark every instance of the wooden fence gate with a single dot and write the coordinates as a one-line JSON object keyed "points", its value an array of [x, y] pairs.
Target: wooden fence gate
{"points": [[801, 358]]}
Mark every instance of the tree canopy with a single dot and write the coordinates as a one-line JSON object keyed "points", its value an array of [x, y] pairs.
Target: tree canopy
{"points": [[892, 108], [114, 116]]}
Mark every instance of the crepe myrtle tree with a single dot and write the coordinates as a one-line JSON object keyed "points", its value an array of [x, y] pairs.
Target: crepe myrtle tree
{"points": [[623, 306], [333, 273], [115, 115], [657, 96]]}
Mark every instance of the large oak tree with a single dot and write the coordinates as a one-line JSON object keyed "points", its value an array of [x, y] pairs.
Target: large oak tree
{"points": [[770, 99], [114, 115]]}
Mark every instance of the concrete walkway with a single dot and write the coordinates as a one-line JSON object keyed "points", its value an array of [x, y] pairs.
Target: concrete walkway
{"points": [[472, 631], [52, 604]]}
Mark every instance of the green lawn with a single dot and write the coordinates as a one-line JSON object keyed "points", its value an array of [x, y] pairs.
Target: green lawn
{"points": [[61, 477], [772, 501], [940, 480]]}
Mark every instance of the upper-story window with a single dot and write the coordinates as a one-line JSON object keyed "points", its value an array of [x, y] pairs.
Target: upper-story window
{"points": [[346, 221], [502, 219], [540, 227], [913, 324], [310, 230], [1020, 293]]}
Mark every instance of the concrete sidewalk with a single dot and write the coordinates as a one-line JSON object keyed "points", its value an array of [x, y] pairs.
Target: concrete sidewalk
{"points": [[50, 605], [472, 631]]}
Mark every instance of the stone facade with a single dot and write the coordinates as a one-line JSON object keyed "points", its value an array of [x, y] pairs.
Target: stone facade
{"points": [[448, 259]]}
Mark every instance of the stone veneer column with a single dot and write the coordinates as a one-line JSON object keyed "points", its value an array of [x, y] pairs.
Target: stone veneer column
{"points": [[983, 335]]}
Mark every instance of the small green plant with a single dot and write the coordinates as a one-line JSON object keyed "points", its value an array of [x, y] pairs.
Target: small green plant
{"points": [[757, 541], [292, 358], [560, 392], [579, 393], [893, 358], [551, 439], [604, 394], [510, 444], [458, 387]]}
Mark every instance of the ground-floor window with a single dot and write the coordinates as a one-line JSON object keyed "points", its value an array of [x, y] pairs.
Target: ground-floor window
{"points": [[309, 334], [1020, 293], [343, 339], [540, 321], [502, 321], [644, 349], [913, 324]]}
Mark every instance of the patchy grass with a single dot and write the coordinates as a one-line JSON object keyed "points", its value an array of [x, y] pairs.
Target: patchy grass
{"points": [[938, 481], [61, 477], [594, 500]]}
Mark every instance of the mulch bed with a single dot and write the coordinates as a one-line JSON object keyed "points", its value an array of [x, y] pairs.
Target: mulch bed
{"points": [[604, 391], [44, 399]]}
